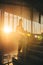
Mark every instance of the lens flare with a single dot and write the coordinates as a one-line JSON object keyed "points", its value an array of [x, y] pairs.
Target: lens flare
{"points": [[7, 29], [36, 36], [39, 37], [29, 35]]}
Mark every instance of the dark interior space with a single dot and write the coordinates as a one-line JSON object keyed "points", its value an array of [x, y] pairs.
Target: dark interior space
{"points": [[21, 32]]}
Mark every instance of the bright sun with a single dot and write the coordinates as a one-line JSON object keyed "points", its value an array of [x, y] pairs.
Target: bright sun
{"points": [[7, 29]]}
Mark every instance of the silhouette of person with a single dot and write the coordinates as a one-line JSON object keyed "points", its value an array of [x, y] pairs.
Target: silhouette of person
{"points": [[22, 42], [19, 27]]}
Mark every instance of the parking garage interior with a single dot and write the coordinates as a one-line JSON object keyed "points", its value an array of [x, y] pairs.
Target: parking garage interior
{"points": [[24, 45]]}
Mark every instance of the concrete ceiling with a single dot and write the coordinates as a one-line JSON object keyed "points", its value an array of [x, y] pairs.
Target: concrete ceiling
{"points": [[38, 4]]}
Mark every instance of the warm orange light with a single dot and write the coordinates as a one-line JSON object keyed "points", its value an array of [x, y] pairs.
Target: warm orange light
{"points": [[7, 29], [29, 35], [36, 36]]}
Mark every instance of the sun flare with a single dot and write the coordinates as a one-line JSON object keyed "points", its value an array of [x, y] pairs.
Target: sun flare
{"points": [[7, 29]]}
